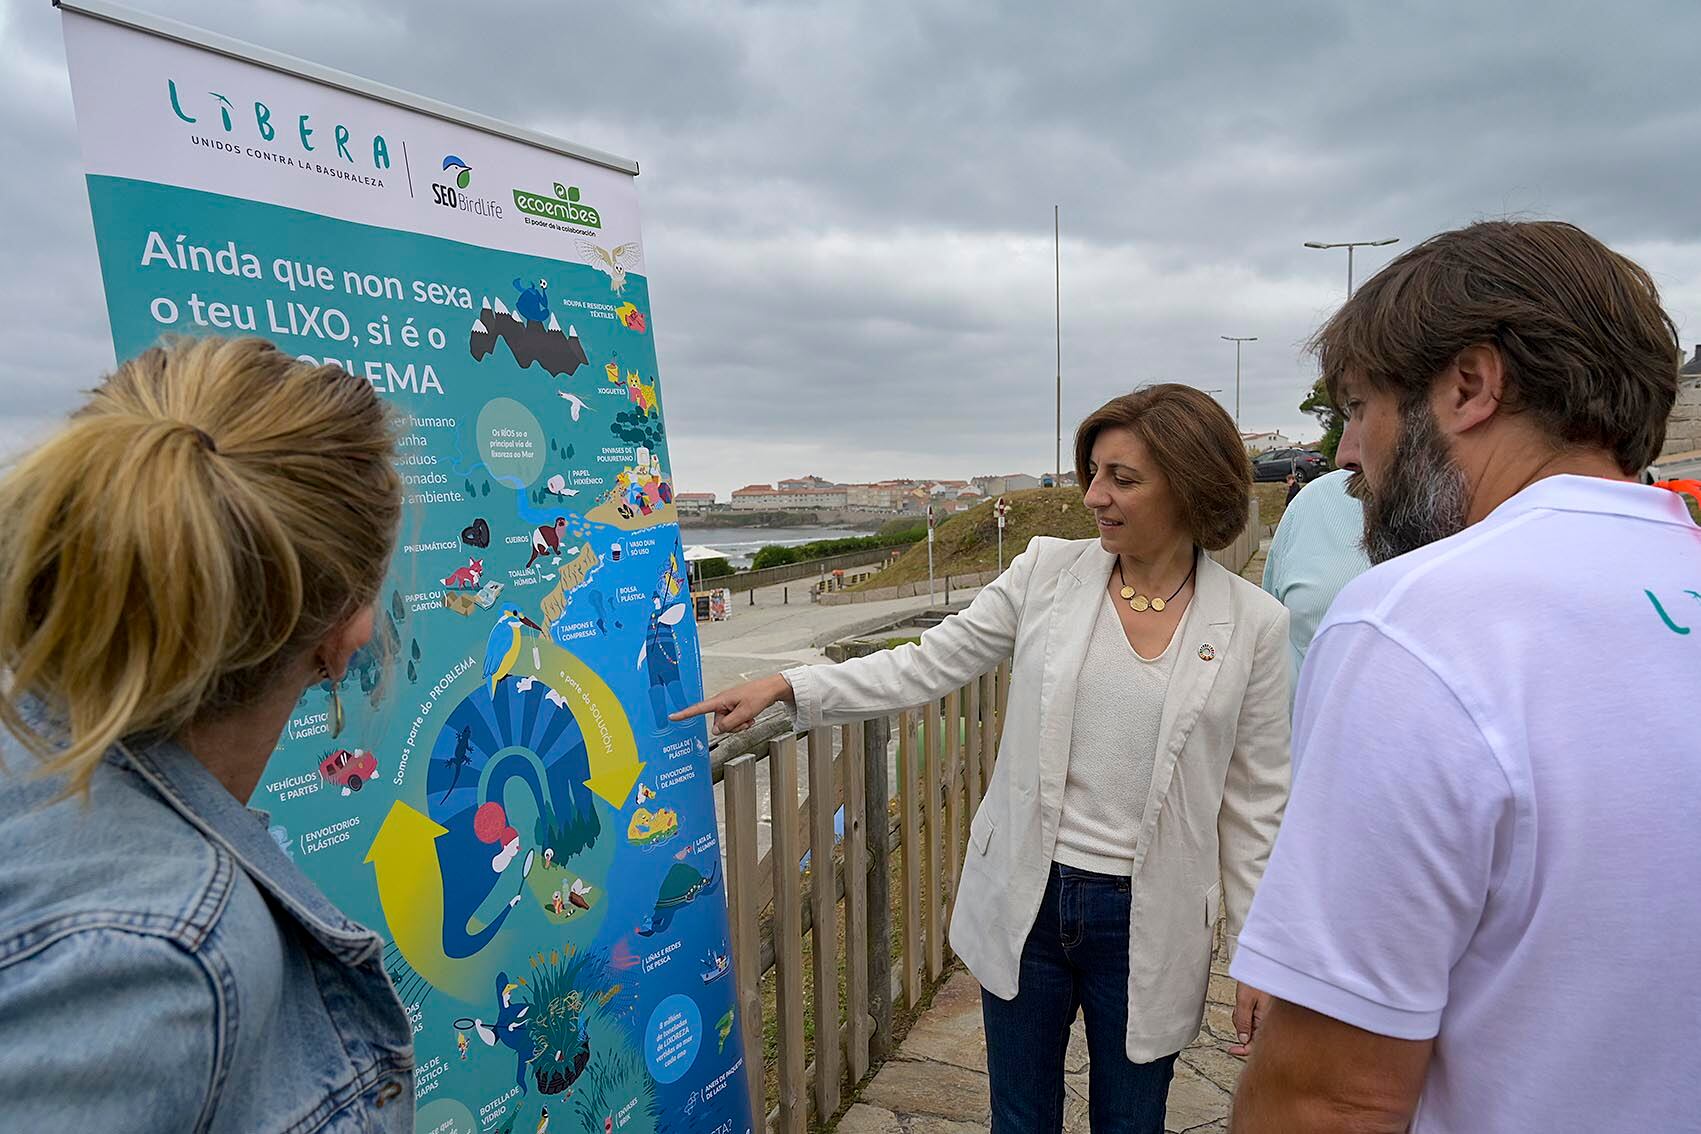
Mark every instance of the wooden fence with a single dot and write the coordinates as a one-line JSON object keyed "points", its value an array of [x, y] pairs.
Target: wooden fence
{"points": [[870, 943]]}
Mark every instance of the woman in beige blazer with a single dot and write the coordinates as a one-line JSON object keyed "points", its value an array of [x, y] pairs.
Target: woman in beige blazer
{"points": [[1143, 769]]}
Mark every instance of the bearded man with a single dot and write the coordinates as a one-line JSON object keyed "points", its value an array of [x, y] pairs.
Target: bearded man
{"points": [[1477, 912]]}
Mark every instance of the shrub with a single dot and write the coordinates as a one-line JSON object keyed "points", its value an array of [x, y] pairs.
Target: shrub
{"points": [[774, 556], [715, 569]]}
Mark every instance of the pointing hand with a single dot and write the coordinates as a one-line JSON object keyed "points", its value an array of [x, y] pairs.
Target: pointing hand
{"points": [[735, 708]]}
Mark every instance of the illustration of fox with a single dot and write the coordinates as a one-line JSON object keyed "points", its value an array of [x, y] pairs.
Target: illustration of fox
{"points": [[467, 576]]}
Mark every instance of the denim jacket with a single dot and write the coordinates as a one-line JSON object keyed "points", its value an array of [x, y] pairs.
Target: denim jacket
{"points": [[165, 967]]}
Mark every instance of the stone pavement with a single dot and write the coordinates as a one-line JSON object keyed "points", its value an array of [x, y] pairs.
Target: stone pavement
{"points": [[936, 1084]]}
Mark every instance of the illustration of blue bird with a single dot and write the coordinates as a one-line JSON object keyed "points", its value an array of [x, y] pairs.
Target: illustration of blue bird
{"points": [[533, 303], [503, 649]]}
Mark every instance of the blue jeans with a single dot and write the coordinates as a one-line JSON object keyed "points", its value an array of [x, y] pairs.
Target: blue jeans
{"points": [[1076, 958]]}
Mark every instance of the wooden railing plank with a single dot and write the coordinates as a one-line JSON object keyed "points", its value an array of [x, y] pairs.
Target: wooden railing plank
{"points": [[1003, 695], [877, 786], [741, 821], [953, 801], [856, 904], [825, 932], [788, 945], [933, 857], [908, 790], [971, 754]]}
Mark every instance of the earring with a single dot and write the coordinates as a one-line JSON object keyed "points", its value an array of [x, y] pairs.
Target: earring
{"points": [[336, 705]]}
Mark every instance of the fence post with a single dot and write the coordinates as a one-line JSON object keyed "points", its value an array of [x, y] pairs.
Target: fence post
{"points": [[953, 800], [856, 900], [877, 789], [824, 903], [1003, 695], [788, 934], [740, 789], [971, 752], [935, 846], [911, 847]]}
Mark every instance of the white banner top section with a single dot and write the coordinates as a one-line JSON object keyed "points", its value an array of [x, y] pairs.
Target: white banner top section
{"points": [[247, 123]]}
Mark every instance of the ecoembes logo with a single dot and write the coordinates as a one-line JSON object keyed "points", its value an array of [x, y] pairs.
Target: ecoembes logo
{"points": [[242, 129], [565, 206]]}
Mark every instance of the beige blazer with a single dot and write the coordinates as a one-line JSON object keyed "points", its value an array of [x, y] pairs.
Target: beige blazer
{"points": [[1218, 787]]}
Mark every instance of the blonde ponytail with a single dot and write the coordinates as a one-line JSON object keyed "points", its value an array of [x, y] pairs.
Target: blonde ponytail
{"points": [[213, 512]]}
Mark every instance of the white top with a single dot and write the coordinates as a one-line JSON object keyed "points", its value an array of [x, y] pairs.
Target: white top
{"points": [[1119, 704], [1318, 549], [1494, 836]]}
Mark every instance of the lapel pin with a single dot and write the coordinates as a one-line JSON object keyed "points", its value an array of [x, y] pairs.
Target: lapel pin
{"points": [[1206, 653]]}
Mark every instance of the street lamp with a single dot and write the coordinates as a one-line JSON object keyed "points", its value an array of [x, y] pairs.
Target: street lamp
{"points": [[1349, 245], [1237, 340]]}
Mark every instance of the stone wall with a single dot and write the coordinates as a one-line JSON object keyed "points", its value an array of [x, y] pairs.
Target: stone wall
{"points": [[1683, 428]]}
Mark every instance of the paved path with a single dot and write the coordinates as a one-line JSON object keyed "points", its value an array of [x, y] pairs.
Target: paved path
{"points": [[937, 1084]]}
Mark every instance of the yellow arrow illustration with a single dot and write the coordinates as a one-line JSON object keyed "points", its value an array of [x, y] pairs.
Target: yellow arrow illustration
{"points": [[410, 888], [613, 751]]}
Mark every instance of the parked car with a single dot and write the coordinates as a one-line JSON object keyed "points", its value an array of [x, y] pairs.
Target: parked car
{"points": [[1276, 464], [349, 769]]}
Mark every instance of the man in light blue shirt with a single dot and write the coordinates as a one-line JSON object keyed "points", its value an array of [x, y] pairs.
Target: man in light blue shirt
{"points": [[1317, 550]]}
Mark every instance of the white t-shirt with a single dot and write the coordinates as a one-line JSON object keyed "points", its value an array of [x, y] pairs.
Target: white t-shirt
{"points": [[1494, 835], [1113, 747]]}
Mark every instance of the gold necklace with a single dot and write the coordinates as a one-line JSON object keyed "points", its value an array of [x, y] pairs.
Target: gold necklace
{"points": [[1138, 602]]}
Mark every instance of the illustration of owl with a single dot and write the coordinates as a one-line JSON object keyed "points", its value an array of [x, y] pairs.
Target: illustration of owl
{"points": [[615, 261]]}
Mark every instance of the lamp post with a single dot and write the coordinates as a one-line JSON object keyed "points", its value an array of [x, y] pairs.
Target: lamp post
{"points": [[1237, 340], [1349, 245], [1057, 297]]}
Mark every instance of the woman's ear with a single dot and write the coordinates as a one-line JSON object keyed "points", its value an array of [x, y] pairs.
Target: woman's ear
{"points": [[344, 639]]}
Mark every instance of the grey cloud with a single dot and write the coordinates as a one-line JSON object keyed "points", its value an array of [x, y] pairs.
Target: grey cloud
{"points": [[847, 207]]}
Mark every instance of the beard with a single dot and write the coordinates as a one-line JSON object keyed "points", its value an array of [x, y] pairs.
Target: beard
{"points": [[1424, 495]]}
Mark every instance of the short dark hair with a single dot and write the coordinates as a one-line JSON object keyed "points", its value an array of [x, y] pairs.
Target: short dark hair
{"points": [[1195, 444], [1589, 351]]}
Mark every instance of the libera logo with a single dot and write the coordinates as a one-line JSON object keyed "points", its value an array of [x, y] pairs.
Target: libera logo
{"points": [[266, 129], [456, 196], [565, 206]]}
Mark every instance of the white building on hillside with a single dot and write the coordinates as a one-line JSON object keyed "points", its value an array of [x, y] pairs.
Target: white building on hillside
{"points": [[1270, 439]]}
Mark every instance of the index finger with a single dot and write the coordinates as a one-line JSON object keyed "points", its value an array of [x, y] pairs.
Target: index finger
{"points": [[696, 710]]}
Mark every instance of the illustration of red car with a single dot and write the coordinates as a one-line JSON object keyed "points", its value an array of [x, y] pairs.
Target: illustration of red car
{"points": [[348, 769]]}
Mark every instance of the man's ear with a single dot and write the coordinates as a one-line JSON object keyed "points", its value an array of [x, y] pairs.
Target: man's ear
{"points": [[1470, 391], [344, 639]]}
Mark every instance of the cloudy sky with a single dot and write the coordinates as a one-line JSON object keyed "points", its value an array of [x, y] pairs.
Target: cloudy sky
{"points": [[848, 206]]}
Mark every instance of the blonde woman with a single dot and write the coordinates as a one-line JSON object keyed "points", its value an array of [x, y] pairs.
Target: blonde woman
{"points": [[1143, 770], [202, 542]]}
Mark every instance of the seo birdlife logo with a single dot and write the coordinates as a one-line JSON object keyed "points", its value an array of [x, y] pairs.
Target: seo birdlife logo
{"points": [[455, 195], [463, 171]]}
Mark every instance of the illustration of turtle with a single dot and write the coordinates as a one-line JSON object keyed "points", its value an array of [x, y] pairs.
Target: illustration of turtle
{"points": [[683, 885], [723, 1028]]}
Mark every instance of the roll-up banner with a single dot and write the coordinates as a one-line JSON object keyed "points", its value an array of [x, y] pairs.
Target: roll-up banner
{"points": [[508, 803]]}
